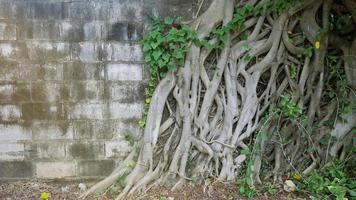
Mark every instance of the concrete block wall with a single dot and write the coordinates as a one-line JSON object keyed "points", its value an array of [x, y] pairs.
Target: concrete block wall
{"points": [[71, 86]]}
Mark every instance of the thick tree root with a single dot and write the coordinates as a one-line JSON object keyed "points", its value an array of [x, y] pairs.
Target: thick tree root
{"points": [[219, 112]]}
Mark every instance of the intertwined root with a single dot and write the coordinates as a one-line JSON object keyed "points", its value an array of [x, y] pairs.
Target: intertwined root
{"points": [[217, 102]]}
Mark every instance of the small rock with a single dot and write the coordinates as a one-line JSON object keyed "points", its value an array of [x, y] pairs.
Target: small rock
{"points": [[82, 186], [65, 189], [170, 198], [35, 186], [289, 186]]}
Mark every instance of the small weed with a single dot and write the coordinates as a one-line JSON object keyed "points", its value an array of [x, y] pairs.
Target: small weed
{"points": [[130, 139], [162, 197], [270, 189], [331, 181], [247, 191]]}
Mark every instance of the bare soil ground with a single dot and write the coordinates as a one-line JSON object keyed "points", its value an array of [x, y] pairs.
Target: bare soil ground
{"points": [[60, 190]]}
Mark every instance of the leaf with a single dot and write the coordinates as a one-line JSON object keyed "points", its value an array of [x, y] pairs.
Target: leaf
{"points": [[146, 47], [166, 57], [178, 54], [247, 57], [338, 191], [173, 31], [168, 20], [45, 195], [352, 193], [156, 54], [148, 58], [141, 123], [242, 190], [154, 45], [161, 63]]}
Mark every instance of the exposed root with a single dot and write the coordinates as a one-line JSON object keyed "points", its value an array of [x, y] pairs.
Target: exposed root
{"points": [[219, 112]]}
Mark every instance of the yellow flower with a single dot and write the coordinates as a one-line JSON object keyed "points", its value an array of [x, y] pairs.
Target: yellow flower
{"points": [[289, 32], [45, 195], [297, 176], [317, 45], [131, 165], [148, 100]]}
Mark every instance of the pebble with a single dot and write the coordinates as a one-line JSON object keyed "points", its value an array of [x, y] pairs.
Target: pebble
{"points": [[289, 186], [35, 186], [65, 188], [82, 186]]}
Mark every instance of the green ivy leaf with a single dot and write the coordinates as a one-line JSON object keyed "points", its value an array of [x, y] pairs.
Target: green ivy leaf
{"points": [[168, 20], [156, 54]]}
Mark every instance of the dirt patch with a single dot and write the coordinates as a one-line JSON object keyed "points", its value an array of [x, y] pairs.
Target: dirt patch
{"points": [[59, 190], [32, 190]]}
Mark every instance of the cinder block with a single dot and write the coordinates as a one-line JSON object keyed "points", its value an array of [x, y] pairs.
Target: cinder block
{"points": [[82, 71], [71, 31], [124, 72], [13, 51], [117, 149], [38, 30], [48, 72], [14, 133], [88, 111], [123, 31], [122, 52], [44, 111], [89, 10], [52, 130], [16, 169], [96, 168], [21, 93], [8, 31], [10, 113], [83, 129], [6, 92], [18, 93], [95, 30], [43, 91], [48, 51], [13, 72], [92, 91], [5, 11], [47, 10], [55, 169], [50, 150], [12, 10], [103, 129], [86, 52], [12, 151], [85, 150], [129, 11], [127, 92], [126, 110]]}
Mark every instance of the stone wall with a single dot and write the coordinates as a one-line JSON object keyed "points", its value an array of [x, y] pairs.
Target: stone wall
{"points": [[71, 86], [72, 83]]}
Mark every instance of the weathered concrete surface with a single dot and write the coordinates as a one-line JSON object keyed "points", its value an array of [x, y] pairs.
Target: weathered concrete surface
{"points": [[72, 83]]}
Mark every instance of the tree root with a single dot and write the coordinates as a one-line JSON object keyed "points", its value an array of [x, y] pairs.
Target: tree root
{"points": [[219, 112]]}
